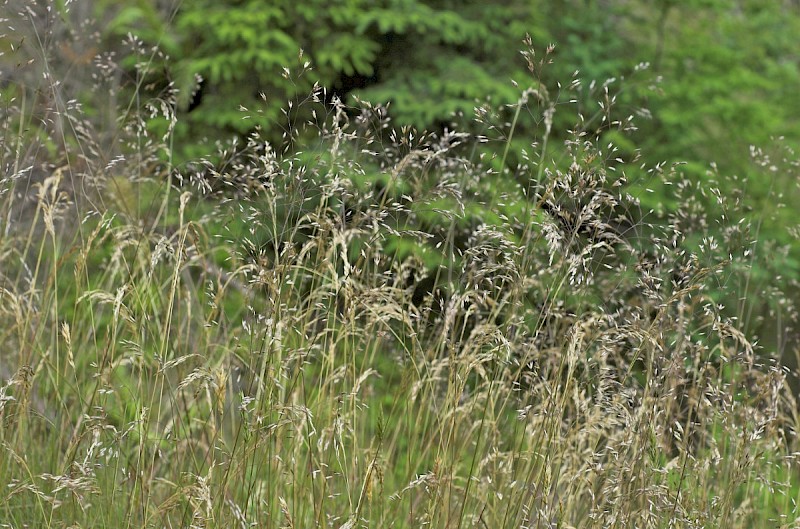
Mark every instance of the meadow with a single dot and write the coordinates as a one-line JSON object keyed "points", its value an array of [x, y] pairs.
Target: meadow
{"points": [[365, 325]]}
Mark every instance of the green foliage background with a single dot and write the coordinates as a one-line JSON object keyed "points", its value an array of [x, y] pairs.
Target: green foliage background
{"points": [[722, 77]]}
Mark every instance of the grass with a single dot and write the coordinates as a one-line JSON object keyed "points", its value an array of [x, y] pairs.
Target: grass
{"points": [[275, 341]]}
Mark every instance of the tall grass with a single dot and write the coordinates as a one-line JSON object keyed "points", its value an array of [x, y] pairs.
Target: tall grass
{"points": [[375, 328]]}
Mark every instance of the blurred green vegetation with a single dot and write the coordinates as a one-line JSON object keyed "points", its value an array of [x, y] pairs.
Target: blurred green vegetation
{"points": [[722, 74]]}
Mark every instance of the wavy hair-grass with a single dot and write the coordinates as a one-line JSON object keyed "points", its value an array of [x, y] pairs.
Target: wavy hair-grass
{"points": [[376, 327]]}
